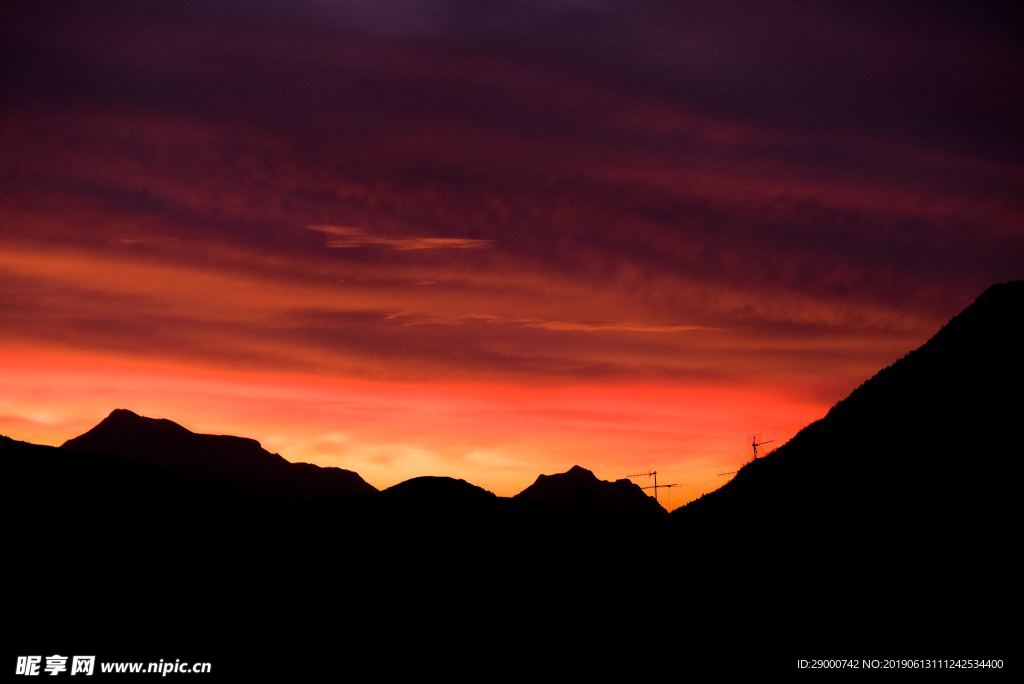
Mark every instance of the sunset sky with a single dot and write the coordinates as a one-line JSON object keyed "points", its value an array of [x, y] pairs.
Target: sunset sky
{"points": [[489, 240]]}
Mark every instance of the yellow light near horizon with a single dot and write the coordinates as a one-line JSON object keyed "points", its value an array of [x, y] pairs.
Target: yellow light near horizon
{"points": [[497, 435]]}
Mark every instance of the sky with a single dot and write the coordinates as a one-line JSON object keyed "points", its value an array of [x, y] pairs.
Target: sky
{"points": [[491, 240]]}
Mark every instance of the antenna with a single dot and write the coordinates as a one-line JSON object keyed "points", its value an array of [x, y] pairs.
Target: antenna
{"points": [[653, 474], [754, 444]]}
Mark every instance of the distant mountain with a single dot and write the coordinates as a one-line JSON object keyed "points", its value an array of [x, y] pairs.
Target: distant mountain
{"points": [[431, 490], [579, 492], [431, 508], [888, 527], [46, 488], [919, 453], [217, 460]]}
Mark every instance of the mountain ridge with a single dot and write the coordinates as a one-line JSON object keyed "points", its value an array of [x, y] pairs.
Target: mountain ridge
{"points": [[224, 460], [887, 450], [579, 489], [960, 377]]}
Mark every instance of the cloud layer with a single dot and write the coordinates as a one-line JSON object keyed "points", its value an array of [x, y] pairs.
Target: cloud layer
{"points": [[775, 197]]}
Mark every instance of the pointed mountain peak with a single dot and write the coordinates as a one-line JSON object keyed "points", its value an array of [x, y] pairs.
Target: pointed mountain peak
{"points": [[127, 417], [126, 424], [580, 490], [126, 431], [575, 476], [120, 413], [580, 471], [212, 459]]}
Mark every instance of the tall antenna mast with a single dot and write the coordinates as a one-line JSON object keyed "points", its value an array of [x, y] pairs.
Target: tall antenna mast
{"points": [[653, 474], [754, 444]]}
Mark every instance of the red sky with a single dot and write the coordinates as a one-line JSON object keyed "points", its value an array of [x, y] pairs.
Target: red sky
{"points": [[492, 241]]}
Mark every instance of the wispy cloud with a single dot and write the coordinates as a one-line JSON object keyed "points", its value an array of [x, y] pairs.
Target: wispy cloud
{"points": [[347, 237], [410, 319], [148, 241], [616, 326]]}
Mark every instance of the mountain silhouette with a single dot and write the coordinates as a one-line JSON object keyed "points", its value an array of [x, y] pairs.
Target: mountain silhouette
{"points": [[887, 527], [921, 449], [892, 520], [215, 460], [441, 507], [579, 492], [438, 489]]}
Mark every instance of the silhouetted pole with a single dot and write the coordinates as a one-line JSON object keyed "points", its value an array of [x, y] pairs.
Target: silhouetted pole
{"points": [[754, 443], [653, 474]]}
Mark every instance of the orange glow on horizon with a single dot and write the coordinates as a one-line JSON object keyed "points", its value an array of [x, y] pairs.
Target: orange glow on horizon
{"points": [[483, 264], [497, 435]]}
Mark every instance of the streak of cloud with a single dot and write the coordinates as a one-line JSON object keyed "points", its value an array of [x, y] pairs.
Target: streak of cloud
{"points": [[343, 237], [409, 318]]}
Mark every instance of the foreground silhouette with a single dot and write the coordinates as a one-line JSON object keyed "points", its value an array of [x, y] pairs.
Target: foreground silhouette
{"points": [[917, 452], [884, 529], [231, 462]]}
